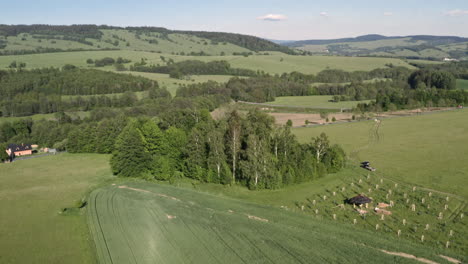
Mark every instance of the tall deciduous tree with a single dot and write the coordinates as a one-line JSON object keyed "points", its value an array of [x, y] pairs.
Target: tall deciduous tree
{"points": [[320, 145], [233, 140]]}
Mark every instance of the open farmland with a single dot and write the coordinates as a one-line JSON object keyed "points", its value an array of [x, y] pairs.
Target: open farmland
{"points": [[148, 223], [33, 193], [315, 101], [172, 84], [275, 62], [425, 150], [462, 84]]}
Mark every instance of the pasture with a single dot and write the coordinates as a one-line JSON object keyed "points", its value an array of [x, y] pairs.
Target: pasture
{"points": [[126, 40], [315, 101], [275, 63], [462, 84], [151, 223], [33, 193], [73, 115], [172, 84], [426, 150]]}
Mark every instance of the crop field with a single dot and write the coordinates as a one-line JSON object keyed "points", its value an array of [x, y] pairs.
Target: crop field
{"points": [[151, 223], [33, 193], [274, 63], [462, 84], [315, 101], [425, 150]]}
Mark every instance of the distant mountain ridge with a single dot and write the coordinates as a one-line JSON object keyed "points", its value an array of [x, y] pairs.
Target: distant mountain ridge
{"points": [[374, 37], [409, 47]]}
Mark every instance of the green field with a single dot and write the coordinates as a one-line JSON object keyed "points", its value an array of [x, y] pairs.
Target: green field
{"points": [[462, 84], [33, 193], [274, 63], [150, 223], [35, 117], [172, 84], [426, 150], [315, 101]]}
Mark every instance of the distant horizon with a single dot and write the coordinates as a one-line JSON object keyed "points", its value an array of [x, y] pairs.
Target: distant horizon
{"points": [[268, 19], [270, 39]]}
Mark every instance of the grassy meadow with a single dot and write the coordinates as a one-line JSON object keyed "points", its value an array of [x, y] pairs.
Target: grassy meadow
{"points": [[315, 101], [148, 223], [275, 63], [33, 193], [462, 84], [172, 84], [73, 115], [126, 40], [425, 150]]}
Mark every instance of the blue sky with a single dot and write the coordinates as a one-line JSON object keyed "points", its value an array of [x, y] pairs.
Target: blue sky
{"points": [[275, 19]]}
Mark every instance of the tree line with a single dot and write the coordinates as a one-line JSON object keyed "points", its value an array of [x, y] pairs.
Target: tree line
{"points": [[192, 67], [249, 150], [26, 92]]}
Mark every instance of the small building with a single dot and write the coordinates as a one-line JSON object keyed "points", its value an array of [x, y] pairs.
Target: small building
{"points": [[14, 150]]}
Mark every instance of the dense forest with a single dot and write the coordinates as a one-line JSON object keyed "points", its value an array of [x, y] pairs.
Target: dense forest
{"points": [[249, 150], [27, 92], [192, 67]]}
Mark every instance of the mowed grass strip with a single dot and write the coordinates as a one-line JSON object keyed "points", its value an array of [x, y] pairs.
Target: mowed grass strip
{"points": [[32, 194], [315, 101], [428, 150], [151, 223]]}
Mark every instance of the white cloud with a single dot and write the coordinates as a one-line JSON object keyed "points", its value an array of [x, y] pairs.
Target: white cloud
{"points": [[272, 17], [456, 12], [325, 14], [388, 14]]}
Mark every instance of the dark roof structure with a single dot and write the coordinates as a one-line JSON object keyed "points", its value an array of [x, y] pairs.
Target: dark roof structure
{"points": [[21, 147], [359, 199]]}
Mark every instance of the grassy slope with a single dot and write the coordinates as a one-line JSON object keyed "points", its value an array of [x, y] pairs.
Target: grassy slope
{"points": [[273, 63], [73, 115], [31, 195], [173, 43], [319, 101], [172, 84], [156, 223], [428, 150], [462, 84]]}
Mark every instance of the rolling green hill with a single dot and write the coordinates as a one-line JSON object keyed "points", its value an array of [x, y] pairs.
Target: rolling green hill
{"points": [[24, 39], [412, 47]]}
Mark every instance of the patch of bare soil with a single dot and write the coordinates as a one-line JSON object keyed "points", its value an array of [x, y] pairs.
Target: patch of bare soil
{"points": [[299, 119], [383, 205], [409, 256], [449, 259], [170, 217], [257, 218]]}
